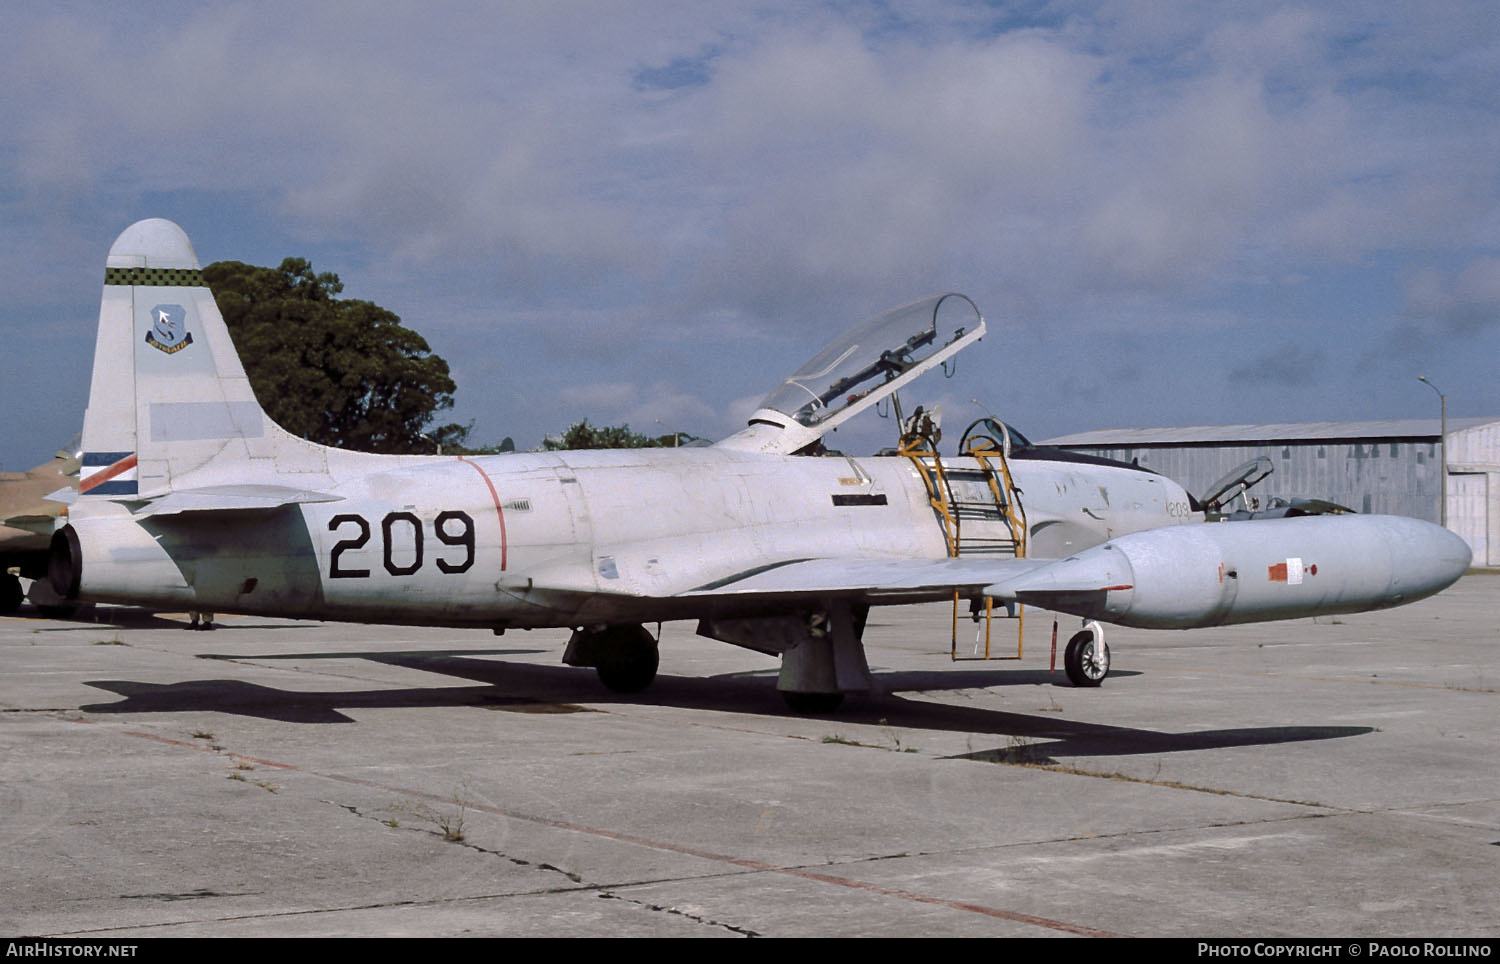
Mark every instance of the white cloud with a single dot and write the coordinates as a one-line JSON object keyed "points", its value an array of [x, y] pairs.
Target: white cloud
{"points": [[1462, 303], [1084, 170], [654, 409]]}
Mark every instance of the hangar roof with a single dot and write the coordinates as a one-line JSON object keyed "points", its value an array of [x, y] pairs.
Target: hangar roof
{"points": [[1268, 432]]}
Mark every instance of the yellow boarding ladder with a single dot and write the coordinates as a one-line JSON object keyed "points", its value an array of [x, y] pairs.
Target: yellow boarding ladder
{"points": [[984, 497]]}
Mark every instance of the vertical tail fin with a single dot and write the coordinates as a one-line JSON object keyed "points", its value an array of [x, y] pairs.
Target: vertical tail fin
{"points": [[169, 396]]}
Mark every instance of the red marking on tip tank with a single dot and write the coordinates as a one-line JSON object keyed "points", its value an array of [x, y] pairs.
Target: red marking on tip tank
{"points": [[1277, 573]]}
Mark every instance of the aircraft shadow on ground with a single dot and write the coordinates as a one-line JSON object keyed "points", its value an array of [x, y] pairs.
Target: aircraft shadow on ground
{"points": [[528, 688], [137, 617]]}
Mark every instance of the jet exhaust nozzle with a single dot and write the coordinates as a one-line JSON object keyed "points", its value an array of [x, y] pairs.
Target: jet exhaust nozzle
{"points": [[113, 559]]}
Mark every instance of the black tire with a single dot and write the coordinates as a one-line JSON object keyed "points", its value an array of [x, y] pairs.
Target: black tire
{"points": [[813, 702], [628, 660], [1083, 669], [11, 593]]}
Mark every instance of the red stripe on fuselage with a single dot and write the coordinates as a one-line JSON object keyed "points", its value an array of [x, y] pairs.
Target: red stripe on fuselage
{"points": [[495, 497], [99, 478]]}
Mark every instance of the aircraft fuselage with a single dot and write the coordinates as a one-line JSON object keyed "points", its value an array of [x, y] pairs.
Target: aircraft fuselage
{"points": [[577, 538]]}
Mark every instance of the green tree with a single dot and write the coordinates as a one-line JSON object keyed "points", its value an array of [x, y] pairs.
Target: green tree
{"points": [[337, 371], [582, 435]]}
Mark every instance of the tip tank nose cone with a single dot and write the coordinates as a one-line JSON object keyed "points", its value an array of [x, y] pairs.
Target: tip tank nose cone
{"points": [[1435, 556]]}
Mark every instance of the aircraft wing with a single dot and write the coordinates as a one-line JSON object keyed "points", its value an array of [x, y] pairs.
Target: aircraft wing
{"points": [[870, 578], [231, 498], [22, 502], [42, 524]]}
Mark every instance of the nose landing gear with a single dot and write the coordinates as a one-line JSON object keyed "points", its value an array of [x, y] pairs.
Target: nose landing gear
{"points": [[1087, 657]]}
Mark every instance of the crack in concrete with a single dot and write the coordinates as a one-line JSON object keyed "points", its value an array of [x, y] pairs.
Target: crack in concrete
{"points": [[1053, 767], [678, 912], [603, 890], [518, 861], [200, 894]]}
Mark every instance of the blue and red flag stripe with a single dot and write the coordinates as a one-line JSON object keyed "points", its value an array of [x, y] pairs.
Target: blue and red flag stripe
{"points": [[115, 475]]}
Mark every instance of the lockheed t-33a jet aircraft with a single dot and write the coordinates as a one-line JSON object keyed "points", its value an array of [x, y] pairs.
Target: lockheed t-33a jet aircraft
{"points": [[192, 498]]}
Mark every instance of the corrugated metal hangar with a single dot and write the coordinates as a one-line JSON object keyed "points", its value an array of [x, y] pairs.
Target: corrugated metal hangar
{"points": [[1390, 467]]}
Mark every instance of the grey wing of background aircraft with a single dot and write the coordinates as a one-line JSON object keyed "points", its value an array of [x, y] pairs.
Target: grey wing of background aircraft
{"points": [[192, 498], [30, 503]]}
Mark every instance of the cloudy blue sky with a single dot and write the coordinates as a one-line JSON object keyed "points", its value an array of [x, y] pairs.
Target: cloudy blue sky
{"points": [[1170, 213]]}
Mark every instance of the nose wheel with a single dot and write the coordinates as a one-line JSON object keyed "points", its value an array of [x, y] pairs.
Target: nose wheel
{"points": [[1087, 658]]}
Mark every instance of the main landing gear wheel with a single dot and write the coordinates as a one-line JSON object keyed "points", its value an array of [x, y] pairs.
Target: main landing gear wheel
{"points": [[11, 593], [812, 702], [1086, 663], [628, 659]]}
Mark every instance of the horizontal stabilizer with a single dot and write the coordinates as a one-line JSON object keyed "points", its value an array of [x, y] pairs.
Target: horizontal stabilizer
{"points": [[232, 498], [66, 495]]}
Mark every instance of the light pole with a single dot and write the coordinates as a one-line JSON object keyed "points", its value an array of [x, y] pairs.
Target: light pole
{"points": [[1443, 449]]}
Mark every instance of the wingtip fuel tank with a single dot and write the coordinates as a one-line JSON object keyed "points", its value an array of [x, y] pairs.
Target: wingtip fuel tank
{"points": [[1186, 577]]}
